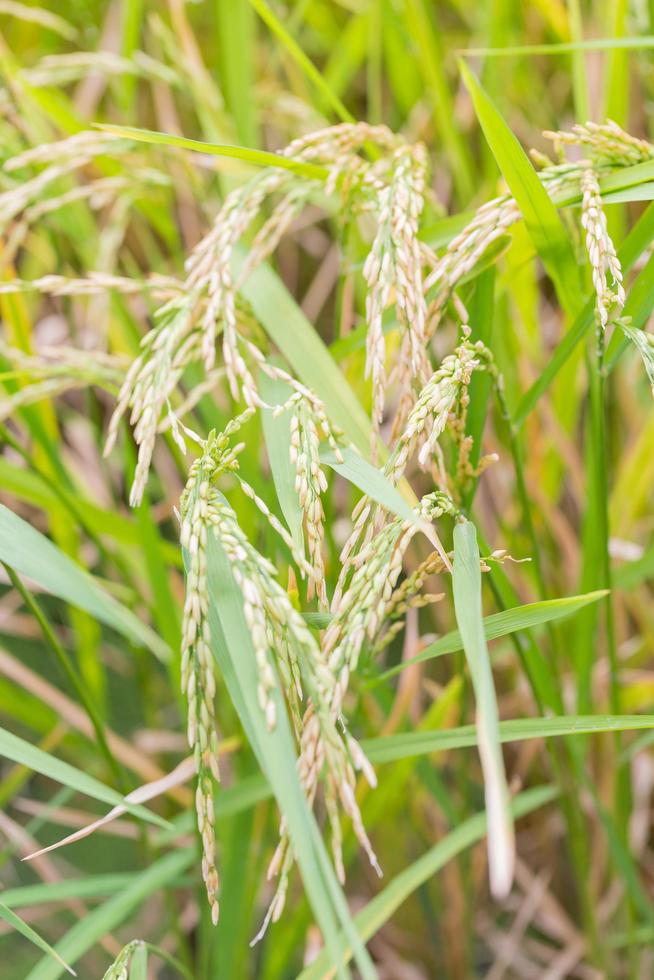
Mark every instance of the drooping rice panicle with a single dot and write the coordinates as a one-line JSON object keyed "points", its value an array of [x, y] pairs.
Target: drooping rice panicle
{"points": [[53, 371], [394, 267], [282, 643], [310, 483], [151, 380], [61, 159], [433, 408], [607, 142], [377, 567], [604, 263], [95, 284]]}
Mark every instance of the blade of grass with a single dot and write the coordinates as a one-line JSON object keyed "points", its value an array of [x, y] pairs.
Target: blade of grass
{"points": [[466, 583], [22, 927], [579, 80], [615, 97], [277, 436], [70, 673], [35, 556], [95, 886], [410, 744], [482, 309], [236, 37], [500, 624], [636, 242], [368, 478], [18, 750], [257, 158], [541, 217], [299, 342], [431, 62], [562, 47]]}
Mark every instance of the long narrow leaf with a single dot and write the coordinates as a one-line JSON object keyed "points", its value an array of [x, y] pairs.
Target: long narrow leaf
{"points": [[502, 624], [277, 435], [410, 744], [466, 580], [541, 217], [633, 246], [18, 750], [257, 158], [372, 481], [17, 923], [32, 554]]}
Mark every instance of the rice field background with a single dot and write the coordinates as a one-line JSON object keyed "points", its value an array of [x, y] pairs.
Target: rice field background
{"points": [[326, 468]]}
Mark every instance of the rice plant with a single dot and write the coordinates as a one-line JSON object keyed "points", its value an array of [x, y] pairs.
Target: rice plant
{"points": [[326, 428]]}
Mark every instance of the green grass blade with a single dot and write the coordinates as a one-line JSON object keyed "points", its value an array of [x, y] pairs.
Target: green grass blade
{"points": [[138, 969], [541, 217], [22, 927], [502, 624], [32, 554], [18, 750], [95, 886], [579, 75], [297, 339], [482, 312], [431, 60], [236, 37], [277, 436], [410, 744], [372, 481], [34, 488], [643, 42], [466, 581], [257, 158], [615, 97], [378, 911], [637, 309], [131, 26]]}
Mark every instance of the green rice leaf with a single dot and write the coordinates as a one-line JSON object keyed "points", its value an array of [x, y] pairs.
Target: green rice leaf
{"points": [[299, 342], [32, 554], [410, 744], [638, 239], [502, 624], [466, 581], [95, 886], [138, 969], [256, 158], [22, 927], [316, 77], [277, 435], [643, 42], [541, 217], [18, 750], [371, 480], [643, 342]]}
